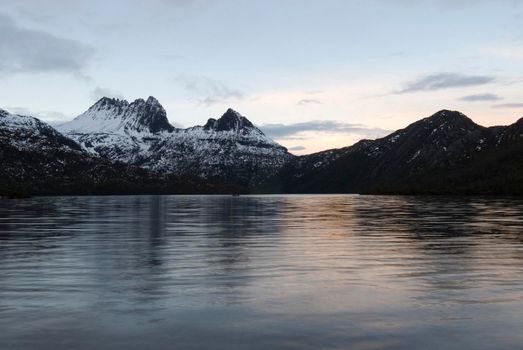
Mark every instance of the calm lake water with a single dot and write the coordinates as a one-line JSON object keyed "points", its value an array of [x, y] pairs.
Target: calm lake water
{"points": [[261, 272]]}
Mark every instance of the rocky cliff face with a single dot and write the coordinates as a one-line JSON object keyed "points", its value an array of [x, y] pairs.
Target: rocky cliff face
{"points": [[110, 115]]}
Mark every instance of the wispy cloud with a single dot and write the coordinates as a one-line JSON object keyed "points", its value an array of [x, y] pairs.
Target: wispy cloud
{"points": [[297, 148], [287, 131], [100, 92], [29, 51], [480, 98], [513, 53], [441, 81], [314, 92], [308, 101], [508, 105], [209, 91], [51, 117], [450, 4]]}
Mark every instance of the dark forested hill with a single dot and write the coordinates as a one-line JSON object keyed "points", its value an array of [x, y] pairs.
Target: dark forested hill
{"points": [[446, 153]]}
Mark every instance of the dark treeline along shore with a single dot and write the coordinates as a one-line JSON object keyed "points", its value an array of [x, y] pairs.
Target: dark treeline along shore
{"points": [[117, 147]]}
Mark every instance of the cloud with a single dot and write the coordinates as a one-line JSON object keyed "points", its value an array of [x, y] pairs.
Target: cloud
{"points": [[451, 4], [30, 51], [296, 148], [51, 117], [513, 52], [48, 11], [100, 92], [209, 91], [176, 3], [480, 97], [307, 101], [508, 105], [441, 81], [314, 92], [287, 131]]}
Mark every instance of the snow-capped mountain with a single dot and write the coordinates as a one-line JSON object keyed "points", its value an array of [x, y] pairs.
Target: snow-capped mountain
{"points": [[37, 159], [229, 149], [28, 133], [115, 116]]}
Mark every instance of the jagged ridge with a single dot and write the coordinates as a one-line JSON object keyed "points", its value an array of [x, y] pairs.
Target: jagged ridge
{"points": [[110, 115], [229, 148]]}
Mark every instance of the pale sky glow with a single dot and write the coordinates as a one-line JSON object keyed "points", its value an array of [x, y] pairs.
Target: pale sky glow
{"points": [[318, 74]]}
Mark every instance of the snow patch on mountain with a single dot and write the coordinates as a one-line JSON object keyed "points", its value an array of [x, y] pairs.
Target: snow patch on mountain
{"points": [[16, 122], [26, 132], [139, 133], [115, 116]]}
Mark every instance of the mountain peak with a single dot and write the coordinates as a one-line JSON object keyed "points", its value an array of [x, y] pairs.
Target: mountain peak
{"points": [[229, 121], [112, 115], [446, 115], [151, 100], [149, 116], [232, 112], [110, 102], [447, 118]]}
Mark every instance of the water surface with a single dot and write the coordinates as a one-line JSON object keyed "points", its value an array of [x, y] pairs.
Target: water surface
{"points": [[261, 272]]}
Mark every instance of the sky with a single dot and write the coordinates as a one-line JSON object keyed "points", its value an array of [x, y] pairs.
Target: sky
{"points": [[312, 74]]}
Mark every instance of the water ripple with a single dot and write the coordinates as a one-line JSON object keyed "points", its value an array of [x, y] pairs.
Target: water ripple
{"points": [[259, 272]]}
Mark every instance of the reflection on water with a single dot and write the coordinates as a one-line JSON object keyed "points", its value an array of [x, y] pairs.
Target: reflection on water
{"points": [[261, 272]]}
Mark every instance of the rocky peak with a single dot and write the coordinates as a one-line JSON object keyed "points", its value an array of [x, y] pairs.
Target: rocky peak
{"points": [[153, 101], [148, 115], [451, 118], [443, 124], [112, 115], [230, 121], [106, 103]]}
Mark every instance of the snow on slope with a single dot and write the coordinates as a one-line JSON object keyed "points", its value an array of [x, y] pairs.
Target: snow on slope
{"points": [[15, 122], [115, 116], [25, 132], [139, 133]]}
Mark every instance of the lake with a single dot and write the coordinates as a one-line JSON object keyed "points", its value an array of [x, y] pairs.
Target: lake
{"points": [[261, 272]]}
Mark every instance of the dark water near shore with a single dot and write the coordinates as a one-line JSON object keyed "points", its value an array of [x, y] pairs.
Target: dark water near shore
{"points": [[261, 272]]}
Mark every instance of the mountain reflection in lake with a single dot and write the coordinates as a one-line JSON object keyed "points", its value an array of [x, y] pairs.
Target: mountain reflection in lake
{"points": [[261, 272]]}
